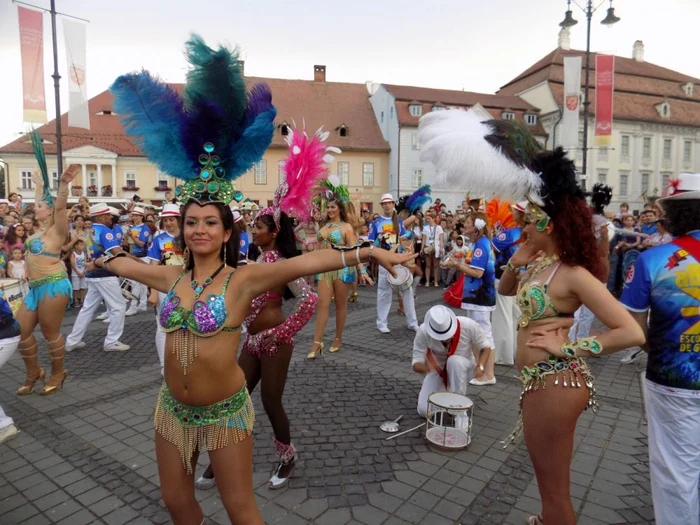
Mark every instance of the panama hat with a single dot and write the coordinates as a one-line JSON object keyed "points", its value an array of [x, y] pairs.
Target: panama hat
{"points": [[685, 187], [387, 197], [99, 209], [440, 323]]}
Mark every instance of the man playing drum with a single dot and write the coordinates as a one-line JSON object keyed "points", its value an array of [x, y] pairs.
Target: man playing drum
{"points": [[443, 351]]}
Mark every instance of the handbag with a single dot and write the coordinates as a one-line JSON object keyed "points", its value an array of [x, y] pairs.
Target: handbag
{"points": [[430, 249]]}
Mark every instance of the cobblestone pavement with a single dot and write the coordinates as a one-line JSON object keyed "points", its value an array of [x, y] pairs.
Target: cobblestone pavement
{"points": [[87, 455]]}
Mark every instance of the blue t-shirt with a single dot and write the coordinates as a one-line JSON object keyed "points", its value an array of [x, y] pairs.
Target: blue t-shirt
{"points": [[165, 250], [9, 327], [479, 293], [649, 229], [506, 244], [101, 240], [382, 232], [666, 279], [143, 233], [243, 245]]}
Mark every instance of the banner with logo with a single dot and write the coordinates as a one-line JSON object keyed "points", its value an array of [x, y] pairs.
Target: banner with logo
{"points": [[604, 87], [31, 43], [572, 91], [78, 113]]}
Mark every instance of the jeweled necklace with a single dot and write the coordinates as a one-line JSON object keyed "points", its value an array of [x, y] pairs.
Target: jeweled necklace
{"points": [[332, 225], [546, 262], [199, 288]]}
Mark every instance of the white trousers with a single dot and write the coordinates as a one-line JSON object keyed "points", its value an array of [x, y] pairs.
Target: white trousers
{"points": [[505, 324], [483, 319], [103, 289], [7, 348], [139, 291], [459, 371], [674, 455], [583, 320], [160, 335], [385, 293]]}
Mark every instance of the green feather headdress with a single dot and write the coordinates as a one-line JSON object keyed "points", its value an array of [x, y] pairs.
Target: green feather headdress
{"points": [[38, 148]]}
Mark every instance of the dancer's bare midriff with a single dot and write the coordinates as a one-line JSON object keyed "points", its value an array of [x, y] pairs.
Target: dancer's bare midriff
{"points": [[527, 356]]}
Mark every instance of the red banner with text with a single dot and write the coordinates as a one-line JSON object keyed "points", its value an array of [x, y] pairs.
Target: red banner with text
{"points": [[31, 39], [604, 88]]}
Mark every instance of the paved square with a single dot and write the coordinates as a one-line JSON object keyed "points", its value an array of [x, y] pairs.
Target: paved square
{"points": [[86, 455]]}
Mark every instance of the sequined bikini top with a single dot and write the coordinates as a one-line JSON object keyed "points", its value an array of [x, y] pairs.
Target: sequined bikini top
{"points": [[534, 301], [334, 237], [36, 246], [207, 318]]}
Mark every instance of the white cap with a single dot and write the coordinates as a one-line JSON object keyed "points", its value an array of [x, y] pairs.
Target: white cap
{"points": [[99, 209], [387, 197], [137, 210], [685, 187], [113, 211], [440, 323], [170, 210]]}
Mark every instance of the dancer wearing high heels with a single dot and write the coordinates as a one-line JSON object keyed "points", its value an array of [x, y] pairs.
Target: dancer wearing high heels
{"points": [[50, 289], [557, 383], [335, 285]]}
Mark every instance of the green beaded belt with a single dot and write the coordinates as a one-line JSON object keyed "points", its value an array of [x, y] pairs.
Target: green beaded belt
{"points": [[198, 416], [54, 278]]}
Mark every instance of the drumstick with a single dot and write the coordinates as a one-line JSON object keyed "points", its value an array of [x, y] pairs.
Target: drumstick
{"points": [[405, 432]]}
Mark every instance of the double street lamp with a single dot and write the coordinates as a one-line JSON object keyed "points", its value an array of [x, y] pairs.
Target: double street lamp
{"points": [[570, 21]]}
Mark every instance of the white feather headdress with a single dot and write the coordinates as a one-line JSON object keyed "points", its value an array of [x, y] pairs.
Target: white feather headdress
{"points": [[489, 157]]}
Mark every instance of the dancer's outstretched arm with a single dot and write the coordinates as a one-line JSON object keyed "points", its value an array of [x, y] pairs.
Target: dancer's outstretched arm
{"points": [[260, 278], [158, 277]]}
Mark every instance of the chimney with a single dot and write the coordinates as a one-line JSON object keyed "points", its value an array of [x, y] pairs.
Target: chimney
{"points": [[638, 51], [319, 73], [241, 64], [564, 39]]}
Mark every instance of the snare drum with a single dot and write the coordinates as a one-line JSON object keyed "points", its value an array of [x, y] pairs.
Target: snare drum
{"points": [[449, 420], [12, 290], [403, 280], [125, 285]]}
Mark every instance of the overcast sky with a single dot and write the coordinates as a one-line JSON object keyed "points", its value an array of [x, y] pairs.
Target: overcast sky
{"points": [[476, 45]]}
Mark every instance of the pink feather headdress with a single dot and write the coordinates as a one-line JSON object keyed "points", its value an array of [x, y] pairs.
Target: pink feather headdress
{"points": [[303, 169]]}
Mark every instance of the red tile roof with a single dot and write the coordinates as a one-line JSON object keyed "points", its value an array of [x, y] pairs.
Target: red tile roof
{"points": [[639, 87], [327, 104], [428, 97]]}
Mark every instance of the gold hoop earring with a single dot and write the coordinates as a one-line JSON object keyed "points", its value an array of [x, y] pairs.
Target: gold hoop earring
{"points": [[186, 256]]}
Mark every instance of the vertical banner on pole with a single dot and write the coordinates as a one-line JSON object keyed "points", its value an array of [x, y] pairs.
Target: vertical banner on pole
{"points": [[604, 87], [572, 95], [74, 35], [31, 40]]}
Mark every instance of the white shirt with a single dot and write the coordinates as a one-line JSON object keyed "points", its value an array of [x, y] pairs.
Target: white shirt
{"points": [[470, 335], [432, 237]]}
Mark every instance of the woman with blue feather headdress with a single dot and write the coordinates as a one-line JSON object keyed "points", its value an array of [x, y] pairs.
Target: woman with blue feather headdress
{"points": [[208, 136], [50, 288]]}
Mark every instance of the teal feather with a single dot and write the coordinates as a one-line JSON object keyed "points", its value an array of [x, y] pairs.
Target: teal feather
{"points": [[38, 147], [251, 147]]}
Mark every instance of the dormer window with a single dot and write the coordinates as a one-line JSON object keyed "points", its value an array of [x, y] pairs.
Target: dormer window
{"points": [[438, 107], [105, 112], [664, 109], [342, 130], [508, 115], [416, 110], [530, 119], [688, 88], [284, 129]]}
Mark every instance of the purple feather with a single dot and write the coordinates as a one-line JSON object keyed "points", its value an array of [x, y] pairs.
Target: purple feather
{"points": [[259, 100]]}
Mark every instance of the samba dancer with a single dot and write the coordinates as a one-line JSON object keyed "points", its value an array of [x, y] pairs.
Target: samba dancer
{"points": [[336, 285], [204, 404], [558, 224], [164, 249], [385, 232], [50, 289]]}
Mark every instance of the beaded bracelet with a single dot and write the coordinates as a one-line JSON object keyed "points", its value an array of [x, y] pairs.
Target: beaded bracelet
{"points": [[342, 259], [357, 254], [588, 344], [371, 247], [511, 267]]}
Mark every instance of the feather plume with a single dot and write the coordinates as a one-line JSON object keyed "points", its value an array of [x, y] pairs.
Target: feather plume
{"points": [[484, 157], [152, 113], [252, 145], [419, 198], [500, 215], [303, 168], [38, 148], [601, 195]]}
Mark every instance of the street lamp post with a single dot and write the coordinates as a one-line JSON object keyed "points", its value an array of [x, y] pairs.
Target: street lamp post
{"points": [[568, 22]]}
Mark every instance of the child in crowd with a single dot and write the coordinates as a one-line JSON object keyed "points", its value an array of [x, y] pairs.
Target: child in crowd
{"points": [[77, 262], [14, 239], [17, 269]]}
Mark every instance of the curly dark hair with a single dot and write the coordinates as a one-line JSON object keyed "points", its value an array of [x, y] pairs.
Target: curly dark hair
{"points": [[565, 202], [601, 197], [285, 242], [682, 216]]}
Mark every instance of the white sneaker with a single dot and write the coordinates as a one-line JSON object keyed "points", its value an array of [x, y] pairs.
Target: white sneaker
{"points": [[414, 327], [7, 433], [76, 346], [131, 311], [632, 356], [383, 329], [204, 483], [102, 316], [106, 321], [143, 308], [116, 347], [483, 382]]}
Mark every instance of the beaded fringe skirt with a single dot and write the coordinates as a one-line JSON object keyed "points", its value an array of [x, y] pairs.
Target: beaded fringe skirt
{"points": [[203, 428]]}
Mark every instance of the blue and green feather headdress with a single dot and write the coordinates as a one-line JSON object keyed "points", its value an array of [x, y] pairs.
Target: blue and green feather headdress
{"points": [[38, 147], [208, 136]]}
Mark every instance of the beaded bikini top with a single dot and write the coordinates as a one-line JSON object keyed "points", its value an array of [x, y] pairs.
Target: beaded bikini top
{"points": [[334, 237], [36, 246], [207, 318], [534, 301]]}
